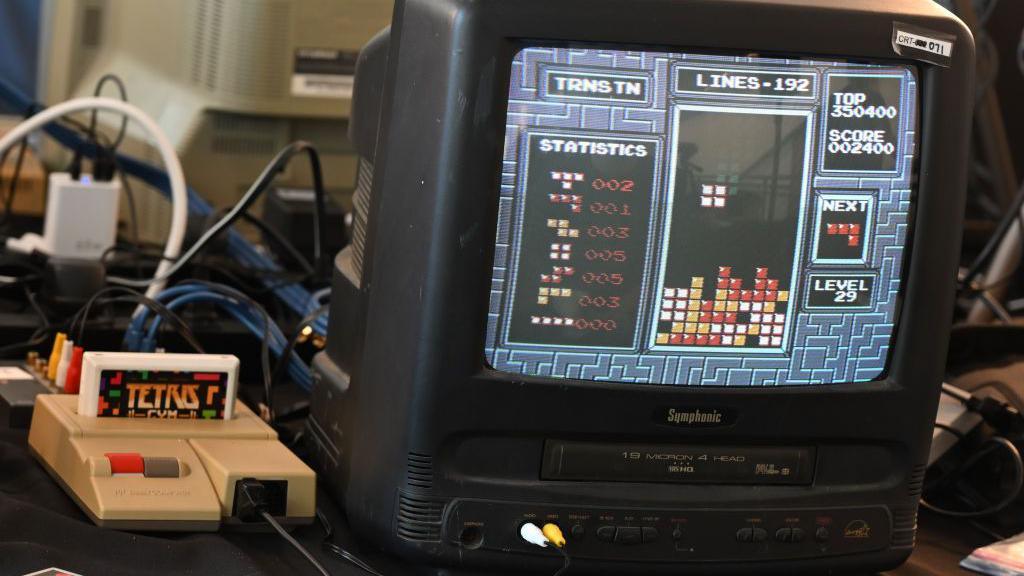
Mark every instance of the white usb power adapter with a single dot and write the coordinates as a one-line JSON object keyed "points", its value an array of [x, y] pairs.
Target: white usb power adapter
{"points": [[81, 219]]}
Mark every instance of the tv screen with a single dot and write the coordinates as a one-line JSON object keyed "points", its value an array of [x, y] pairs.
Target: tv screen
{"points": [[697, 219]]}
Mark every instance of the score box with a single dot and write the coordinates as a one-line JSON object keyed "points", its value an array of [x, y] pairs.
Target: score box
{"points": [[862, 123], [839, 291], [843, 226]]}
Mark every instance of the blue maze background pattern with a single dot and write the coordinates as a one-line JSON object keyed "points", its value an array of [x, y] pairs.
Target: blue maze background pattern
{"points": [[825, 347]]}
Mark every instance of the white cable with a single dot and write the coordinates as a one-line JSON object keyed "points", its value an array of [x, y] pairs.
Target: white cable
{"points": [[179, 194]]}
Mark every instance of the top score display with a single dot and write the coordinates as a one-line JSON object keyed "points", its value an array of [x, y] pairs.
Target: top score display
{"points": [[862, 124]]}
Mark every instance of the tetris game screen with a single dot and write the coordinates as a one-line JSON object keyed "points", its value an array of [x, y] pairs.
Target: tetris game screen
{"points": [[688, 219]]}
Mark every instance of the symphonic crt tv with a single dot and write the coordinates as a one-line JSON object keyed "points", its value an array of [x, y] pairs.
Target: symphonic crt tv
{"points": [[676, 275]]}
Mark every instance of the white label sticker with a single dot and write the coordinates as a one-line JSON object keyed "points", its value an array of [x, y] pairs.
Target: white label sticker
{"points": [[918, 42], [923, 44], [13, 373], [322, 85], [296, 194]]}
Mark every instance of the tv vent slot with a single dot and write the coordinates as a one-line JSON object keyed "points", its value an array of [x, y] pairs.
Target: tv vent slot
{"points": [[904, 527], [360, 214], [916, 480], [419, 518], [420, 471]]}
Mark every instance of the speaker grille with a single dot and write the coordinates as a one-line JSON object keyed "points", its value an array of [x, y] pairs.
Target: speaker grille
{"points": [[419, 518]]}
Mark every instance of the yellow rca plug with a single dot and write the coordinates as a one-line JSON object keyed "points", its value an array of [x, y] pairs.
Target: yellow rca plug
{"points": [[58, 345], [554, 534]]}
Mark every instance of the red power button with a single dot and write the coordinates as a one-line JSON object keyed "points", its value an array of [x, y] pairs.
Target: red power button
{"points": [[126, 463]]}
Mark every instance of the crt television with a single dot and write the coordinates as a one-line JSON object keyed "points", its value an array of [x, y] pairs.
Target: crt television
{"points": [[676, 275]]}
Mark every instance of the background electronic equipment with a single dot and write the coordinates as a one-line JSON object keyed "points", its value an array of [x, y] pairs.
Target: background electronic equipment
{"points": [[20, 383], [230, 82], [290, 211], [499, 142]]}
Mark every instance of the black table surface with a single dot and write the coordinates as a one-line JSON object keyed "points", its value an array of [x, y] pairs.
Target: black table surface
{"points": [[41, 527]]}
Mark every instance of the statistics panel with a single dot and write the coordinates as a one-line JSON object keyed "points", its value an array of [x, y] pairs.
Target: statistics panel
{"points": [[584, 238]]}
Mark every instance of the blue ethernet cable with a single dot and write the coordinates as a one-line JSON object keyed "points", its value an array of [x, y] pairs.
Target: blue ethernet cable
{"points": [[135, 332], [297, 369]]}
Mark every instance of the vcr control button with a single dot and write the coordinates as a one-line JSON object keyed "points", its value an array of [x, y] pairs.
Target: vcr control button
{"points": [[677, 533], [821, 534], [798, 535], [578, 531], [744, 534], [759, 535], [784, 535], [606, 533], [628, 535], [650, 533]]}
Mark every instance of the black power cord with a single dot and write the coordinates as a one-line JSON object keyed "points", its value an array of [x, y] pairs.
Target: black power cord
{"points": [[330, 546], [1009, 498], [252, 506], [123, 92], [266, 178], [281, 367], [1007, 421], [566, 562], [276, 237], [1001, 416], [106, 163], [295, 543], [80, 318]]}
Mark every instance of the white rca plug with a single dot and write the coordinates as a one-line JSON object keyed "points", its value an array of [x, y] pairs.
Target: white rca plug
{"points": [[533, 534], [63, 363]]}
